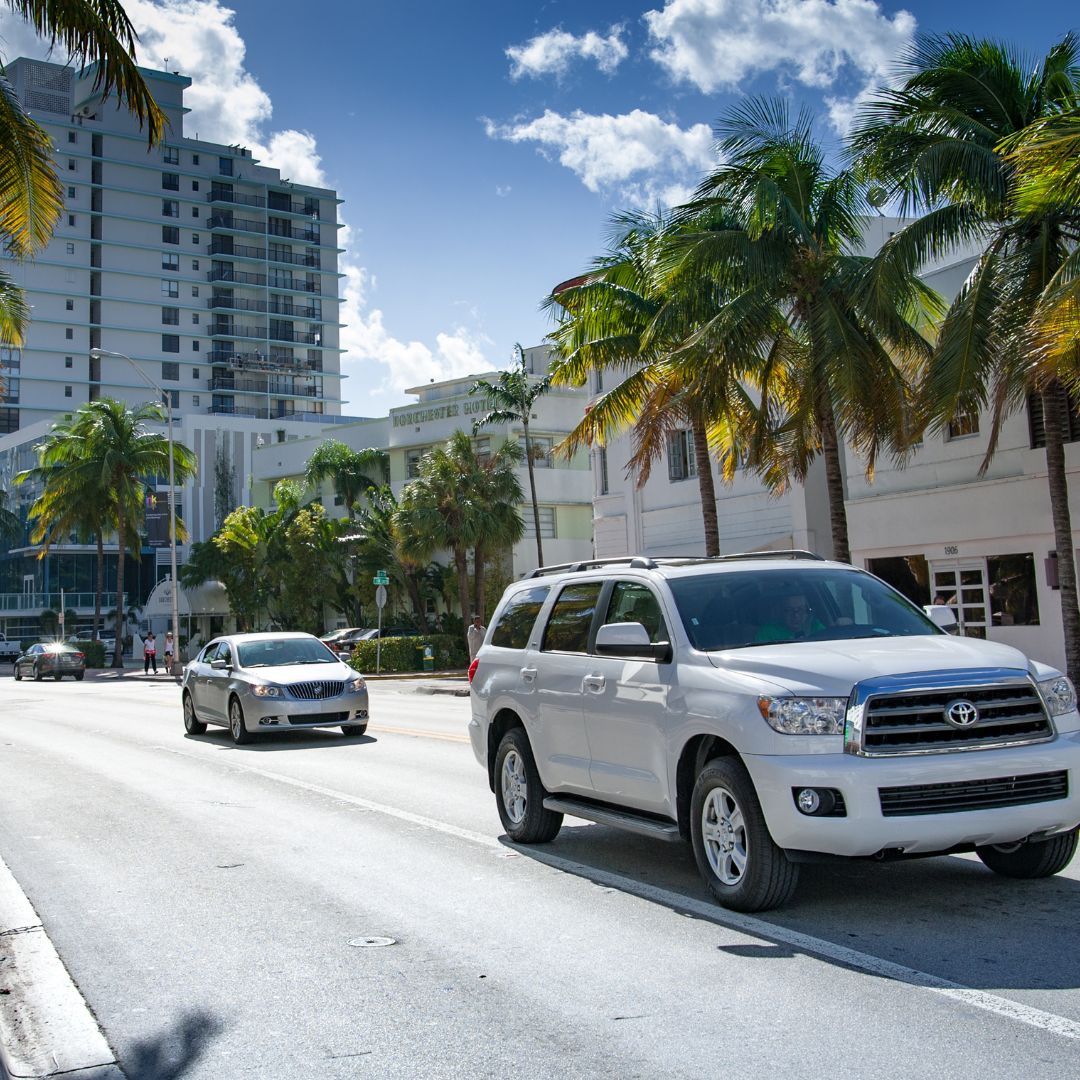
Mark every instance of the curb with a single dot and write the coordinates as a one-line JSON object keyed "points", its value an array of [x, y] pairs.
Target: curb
{"points": [[452, 691], [46, 1027]]}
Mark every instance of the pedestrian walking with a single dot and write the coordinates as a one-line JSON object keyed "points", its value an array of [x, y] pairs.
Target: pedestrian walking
{"points": [[149, 652], [168, 651], [475, 636]]}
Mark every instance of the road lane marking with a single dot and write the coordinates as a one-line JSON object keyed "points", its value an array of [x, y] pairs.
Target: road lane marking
{"points": [[419, 734], [745, 924]]}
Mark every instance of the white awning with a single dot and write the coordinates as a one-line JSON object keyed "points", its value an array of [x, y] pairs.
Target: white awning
{"points": [[210, 598]]}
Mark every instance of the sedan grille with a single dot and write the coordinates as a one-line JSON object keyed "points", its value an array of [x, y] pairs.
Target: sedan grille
{"points": [[915, 722], [316, 691], [973, 794], [319, 718]]}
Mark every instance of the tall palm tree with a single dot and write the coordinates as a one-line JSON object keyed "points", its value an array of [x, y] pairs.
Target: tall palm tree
{"points": [[512, 398], [938, 142], [109, 447], [839, 334], [95, 32], [498, 495], [352, 472]]}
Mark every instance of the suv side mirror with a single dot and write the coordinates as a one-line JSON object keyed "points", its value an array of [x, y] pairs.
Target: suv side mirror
{"points": [[631, 639], [943, 616]]}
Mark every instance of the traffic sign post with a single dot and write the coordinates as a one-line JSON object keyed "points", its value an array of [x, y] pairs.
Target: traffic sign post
{"points": [[380, 603]]}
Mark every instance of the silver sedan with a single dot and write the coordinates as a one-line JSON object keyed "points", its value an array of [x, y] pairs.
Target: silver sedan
{"points": [[252, 683]]}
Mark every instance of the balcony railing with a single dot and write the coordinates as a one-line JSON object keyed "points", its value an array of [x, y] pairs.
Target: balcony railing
{"points": [[295, 258], [236, 303], [263, 413], [297, 336], [222, 329], [239, 277], [310, 235], [274, 307], [220, 194], [277, 206], [277, 307], [290, 388], [227, 221], [72, 601], [257, 361], [237, 251]]}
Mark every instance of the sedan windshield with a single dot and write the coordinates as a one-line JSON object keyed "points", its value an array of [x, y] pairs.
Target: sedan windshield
{"points": [[280, 652], [743, 608]]}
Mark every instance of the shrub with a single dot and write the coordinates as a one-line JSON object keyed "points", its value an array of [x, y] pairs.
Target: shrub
{"points": [[94, 651], [404, 654]]}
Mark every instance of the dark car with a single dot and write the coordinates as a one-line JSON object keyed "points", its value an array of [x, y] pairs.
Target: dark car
{"points": [[55, 658]]}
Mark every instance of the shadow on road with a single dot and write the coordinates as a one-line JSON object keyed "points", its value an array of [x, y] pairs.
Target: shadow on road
{"points": [[171, 1054], [311, 739]]}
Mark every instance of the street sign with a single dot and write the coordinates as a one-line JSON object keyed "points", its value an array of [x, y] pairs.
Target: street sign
{"points": [[381, 578], [380, 597]]}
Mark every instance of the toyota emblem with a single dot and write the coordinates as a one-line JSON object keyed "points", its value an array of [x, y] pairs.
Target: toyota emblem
{"points": [[961, 713]]}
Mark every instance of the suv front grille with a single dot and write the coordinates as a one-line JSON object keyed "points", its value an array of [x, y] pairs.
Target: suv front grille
{"points": [[914, 722], [973, 794], [316, 691]]}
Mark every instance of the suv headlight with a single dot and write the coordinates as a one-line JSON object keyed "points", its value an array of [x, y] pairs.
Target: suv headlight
{"points": [[266, 691], [1059, 695], [805, 715], [355, 684]]}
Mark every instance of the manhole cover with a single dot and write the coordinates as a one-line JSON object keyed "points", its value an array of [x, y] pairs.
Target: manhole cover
{"points": [[371, 942]]}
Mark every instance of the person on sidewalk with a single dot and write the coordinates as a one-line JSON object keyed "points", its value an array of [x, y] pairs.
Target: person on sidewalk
{"points": [[475, 636], [149, 652], [168, 651]]}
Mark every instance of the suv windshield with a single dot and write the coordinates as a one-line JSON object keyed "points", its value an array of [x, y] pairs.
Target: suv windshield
{"points": [[742, 608], [283, 651]]}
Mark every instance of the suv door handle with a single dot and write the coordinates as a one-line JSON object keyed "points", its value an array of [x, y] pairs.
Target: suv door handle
{"points": [[528, 674], [593, 682]]}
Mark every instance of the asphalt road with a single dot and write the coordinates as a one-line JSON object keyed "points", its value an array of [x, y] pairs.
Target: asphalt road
{"points": [[212, 904]]}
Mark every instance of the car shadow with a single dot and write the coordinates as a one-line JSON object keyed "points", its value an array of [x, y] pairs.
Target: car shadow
{"points": [[947, 916], [310, 739]]}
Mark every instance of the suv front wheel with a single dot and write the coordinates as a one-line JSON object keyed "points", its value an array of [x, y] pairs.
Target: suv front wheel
{"points": [[735, 854], [519, 793]]}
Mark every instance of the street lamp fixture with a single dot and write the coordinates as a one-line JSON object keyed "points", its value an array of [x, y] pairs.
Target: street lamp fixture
{"points": [[174, 664]]}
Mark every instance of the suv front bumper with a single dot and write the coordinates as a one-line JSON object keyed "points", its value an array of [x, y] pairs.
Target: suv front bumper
{"points": [[866, 831]]}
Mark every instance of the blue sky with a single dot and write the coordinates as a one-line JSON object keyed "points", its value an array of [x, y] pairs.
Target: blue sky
{"points": [[482, 147]]}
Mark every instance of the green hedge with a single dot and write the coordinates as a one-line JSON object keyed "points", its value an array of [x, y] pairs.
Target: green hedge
{"points": [[402, 654], [94, 651]]}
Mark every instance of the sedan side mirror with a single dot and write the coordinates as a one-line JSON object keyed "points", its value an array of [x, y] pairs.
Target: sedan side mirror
{"points": [[219, 665], [631, 639], [943, 616]]}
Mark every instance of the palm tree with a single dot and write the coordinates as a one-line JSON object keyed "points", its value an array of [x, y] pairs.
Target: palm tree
{"points": [[511, 399], [352, 472], [108, 447], [937, 141], [95, 32], [838, 334], [498, 495]]}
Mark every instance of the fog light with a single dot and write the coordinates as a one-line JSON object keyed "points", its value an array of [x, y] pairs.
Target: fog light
{"points": [[819, 802], [809, 801]]}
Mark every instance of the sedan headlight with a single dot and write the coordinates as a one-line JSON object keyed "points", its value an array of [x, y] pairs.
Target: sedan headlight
{"points": [[805, 715], [355, 684], [1059, 695], [266, 691]]}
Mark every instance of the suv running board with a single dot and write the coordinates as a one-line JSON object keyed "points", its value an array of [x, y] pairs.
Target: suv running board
{"points": [[619, 819]]}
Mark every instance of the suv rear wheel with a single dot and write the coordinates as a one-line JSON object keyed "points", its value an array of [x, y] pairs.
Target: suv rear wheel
{"points": [[1034, 859], [735, 854], [519, 793]]}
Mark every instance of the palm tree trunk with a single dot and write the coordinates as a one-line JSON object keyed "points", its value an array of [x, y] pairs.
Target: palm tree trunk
{"points": [[478, 580], [461, 564], [118, 653], [412, 588], [706, 485], [1052, 399], [100, 584], [834, 481], [532, 493]]}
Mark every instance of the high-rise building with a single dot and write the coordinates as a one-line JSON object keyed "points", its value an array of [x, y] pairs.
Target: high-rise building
{"points": [[192, 268]]}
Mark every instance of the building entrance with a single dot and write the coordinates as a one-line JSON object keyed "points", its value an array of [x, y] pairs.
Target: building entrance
{"points": [[962, 585]]}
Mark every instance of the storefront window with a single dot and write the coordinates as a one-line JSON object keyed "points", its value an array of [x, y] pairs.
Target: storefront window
{"points": [[907, 574], [1013, 597]]}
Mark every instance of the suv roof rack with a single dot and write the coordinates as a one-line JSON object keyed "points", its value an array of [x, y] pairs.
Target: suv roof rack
{"points": [[635, 562], [645, 562], [779, 553]]}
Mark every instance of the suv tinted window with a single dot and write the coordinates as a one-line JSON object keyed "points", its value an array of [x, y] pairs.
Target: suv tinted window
{"points": [[518, 617], [633, 602], [568, 627]]}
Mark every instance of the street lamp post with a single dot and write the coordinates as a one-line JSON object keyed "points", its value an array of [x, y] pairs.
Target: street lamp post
{"points": [[97, 354]]}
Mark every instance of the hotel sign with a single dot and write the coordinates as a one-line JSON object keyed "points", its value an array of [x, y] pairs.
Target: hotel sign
{"points": [[414, 417]]}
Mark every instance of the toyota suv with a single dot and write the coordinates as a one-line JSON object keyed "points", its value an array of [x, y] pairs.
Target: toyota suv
{"points": [[772, 709]]}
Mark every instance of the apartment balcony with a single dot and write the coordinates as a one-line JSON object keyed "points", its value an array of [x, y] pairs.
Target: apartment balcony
{"points": [[265, 413], [258, 361], [273, 307], [237, 224], [236, 303], [222, 247], [72, 601], [277, 387], [310, 235], [297, 336], [237, 330], [303, 258], [221, 194]]}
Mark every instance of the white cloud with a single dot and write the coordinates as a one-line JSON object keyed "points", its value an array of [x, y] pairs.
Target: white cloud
{"points": [[718, 44], [636, 155], [502, 190], [553, 52]]}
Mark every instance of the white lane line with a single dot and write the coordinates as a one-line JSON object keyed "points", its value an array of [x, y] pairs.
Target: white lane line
{"points": [[745, 924]]}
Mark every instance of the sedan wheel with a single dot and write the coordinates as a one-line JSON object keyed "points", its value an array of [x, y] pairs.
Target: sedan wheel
{"points": [[240, 734], [37, 673], [192, 724], [18, 673]]}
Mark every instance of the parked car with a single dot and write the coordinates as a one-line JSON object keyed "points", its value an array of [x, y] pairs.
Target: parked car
{"points": [[343, 645], [334, 636], [253, 683], [9, 650], [388, 632], [772, 710], [55, 658]]}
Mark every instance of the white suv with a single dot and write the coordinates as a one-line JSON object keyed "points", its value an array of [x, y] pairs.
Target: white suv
{"points": [[773, 709]]}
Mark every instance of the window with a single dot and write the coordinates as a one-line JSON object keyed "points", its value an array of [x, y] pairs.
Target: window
{"points": [[71, 192], [69, 248], [194, 185], [225, 166], [170, 208], [1014, 599], [170, 371], [633, 602], [170, 288], [170, 316], [69, 305], [194, 211], [69, 361], [171, 155], [195, 374], [194, 237], [413, 458], [69, 333], [599, 380], [541, 447], [681, 462], [194, 346], [1068, 417], [195, 318], [172, 398], [71, 220], [73, 165], [170, 260], [195, 400], [170, 342], [602, 468], [194, 159], [518, 618], [482, 449], [907, 574], [963, 425], [194, 264], [170, 234], [73, 136], [67, 391], [547, 522], [170, 181], [571, 618]]}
